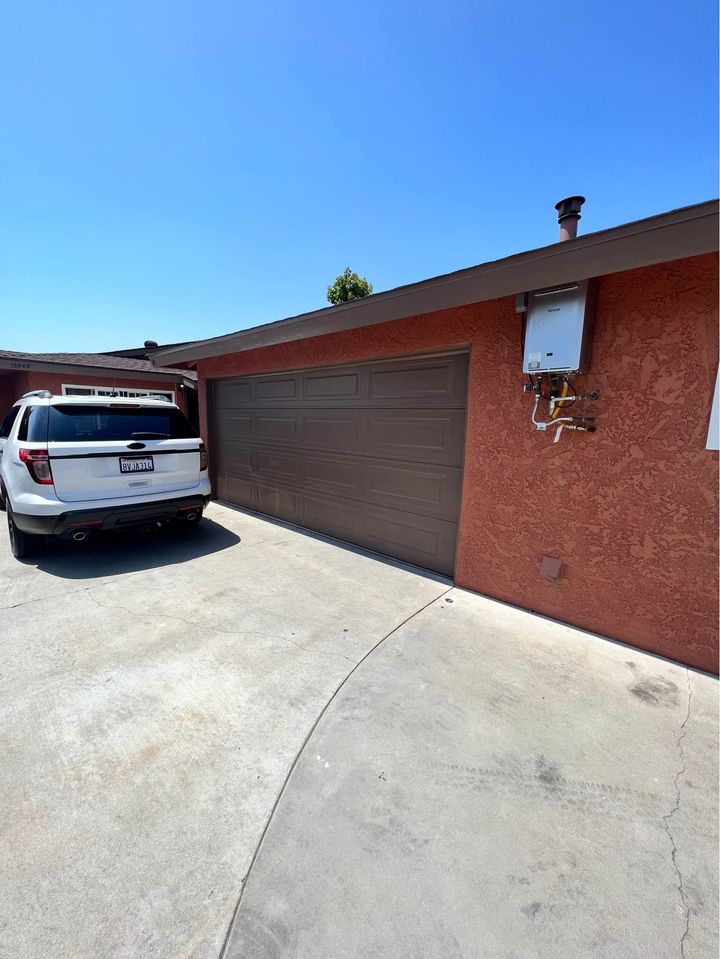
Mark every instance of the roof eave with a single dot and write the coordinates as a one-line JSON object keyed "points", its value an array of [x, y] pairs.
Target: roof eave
{"points": [[686, 232], [30, 365]]}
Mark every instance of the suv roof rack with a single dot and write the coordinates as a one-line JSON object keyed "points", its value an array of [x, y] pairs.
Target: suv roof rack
{"points": [[43, 394]]}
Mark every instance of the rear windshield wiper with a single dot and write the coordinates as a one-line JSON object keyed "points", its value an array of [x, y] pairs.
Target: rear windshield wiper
{"points": [[149, 436]]}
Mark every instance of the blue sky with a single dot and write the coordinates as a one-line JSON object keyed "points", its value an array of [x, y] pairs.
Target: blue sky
{"points": [[178, 170]]}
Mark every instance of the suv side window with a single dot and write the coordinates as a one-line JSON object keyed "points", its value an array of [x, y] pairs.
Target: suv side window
{"points": [[7, 423], [34, 424]]}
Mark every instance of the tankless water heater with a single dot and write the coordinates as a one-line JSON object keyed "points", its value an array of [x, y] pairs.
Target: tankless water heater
{"points": [[559, 329]]}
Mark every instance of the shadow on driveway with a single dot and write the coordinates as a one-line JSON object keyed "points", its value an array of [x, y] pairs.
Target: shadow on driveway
{"points": [[110, 554]]}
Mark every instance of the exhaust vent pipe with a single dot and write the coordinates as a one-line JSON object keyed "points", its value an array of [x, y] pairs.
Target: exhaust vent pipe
{"points": [[80, 536], [191, 516], [568, 216]]}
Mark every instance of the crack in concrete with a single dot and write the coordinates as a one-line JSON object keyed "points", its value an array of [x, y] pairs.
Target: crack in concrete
{"points": [[71, 592], [48, 596], [215, 629], [669, 816]]}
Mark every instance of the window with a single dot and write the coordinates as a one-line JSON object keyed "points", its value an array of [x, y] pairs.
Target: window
{"points": [[72, 390], [7, 423], [34, 424], [83, 424]]}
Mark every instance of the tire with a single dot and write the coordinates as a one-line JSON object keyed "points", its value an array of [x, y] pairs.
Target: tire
{"points": [[23, 544], [2, 499]]}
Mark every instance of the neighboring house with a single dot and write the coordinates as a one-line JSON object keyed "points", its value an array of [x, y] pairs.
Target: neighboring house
{"points": [[399, 422], [94, 374]]}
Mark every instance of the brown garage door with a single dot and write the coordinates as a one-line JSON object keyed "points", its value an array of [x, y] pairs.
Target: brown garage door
{"points": [[370, 453]]}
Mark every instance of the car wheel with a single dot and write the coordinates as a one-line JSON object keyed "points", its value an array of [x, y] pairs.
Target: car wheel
{"points": [[23, 544]]}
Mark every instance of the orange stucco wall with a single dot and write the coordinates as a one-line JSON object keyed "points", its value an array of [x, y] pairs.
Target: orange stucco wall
{"points": [[631, 509], [23, 382]]}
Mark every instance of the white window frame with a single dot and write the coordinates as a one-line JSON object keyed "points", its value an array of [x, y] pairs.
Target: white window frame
{"points": [[125, 391]]}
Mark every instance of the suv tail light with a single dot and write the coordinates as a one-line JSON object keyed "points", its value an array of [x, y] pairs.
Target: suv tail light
{"points": [[203, 458], [38, 464]]}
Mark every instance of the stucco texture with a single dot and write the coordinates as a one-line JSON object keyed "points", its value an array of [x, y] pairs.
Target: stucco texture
{"points": [[631, 510]]}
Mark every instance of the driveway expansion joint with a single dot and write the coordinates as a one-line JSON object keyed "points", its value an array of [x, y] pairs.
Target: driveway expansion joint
{"points": [[669, 816], [291, 769]]}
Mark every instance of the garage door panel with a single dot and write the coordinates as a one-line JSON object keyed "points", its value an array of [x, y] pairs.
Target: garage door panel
{"points": [[332, 385], [371, 453], [235, 458], [239, 489], [331, 430], [437, 382], [399, 535], [381, 528], [422, 540], [272, 464], [279, 388], [440, 381], [413, 489], [333, 474], [417, 435], [433, 491], [277, 500], [231, 394], [414, 382], [334, 516], [236, 425], [279, 428]]}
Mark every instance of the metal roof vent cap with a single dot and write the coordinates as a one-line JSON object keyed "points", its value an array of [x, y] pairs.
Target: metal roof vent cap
{"points": [[568, 216]]}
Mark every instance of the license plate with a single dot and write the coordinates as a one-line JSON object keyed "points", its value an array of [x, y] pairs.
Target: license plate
{"points": [[136, 464]]}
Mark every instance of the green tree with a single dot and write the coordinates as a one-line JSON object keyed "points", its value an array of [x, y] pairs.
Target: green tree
{"points": [[348, 286]]}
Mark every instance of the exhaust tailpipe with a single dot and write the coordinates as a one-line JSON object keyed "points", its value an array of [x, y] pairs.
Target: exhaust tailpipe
{"points": [[80, 536], [191, 516]]}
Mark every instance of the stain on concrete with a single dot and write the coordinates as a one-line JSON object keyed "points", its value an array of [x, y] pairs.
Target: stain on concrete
{"points": [[531, 910], [148, 753], [191, 716], [656, 691], [501, 780], [261, 937], [547, 772], [386, 827]]}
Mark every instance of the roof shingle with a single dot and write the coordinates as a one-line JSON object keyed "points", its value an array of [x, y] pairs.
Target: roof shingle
{"points": [[97, 360]]}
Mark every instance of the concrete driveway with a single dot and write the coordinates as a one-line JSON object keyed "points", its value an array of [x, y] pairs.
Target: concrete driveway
{"points": [[485, 783], [491, 784]]}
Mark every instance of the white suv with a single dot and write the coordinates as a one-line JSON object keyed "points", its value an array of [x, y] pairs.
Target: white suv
{"points": [[71, 465]]}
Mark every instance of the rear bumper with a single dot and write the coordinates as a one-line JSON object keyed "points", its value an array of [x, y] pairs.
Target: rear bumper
{"points": [[111, 517]]}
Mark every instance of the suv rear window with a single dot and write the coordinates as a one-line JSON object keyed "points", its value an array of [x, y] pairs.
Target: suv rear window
{"points": [[34, 424], [83, 424]]}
